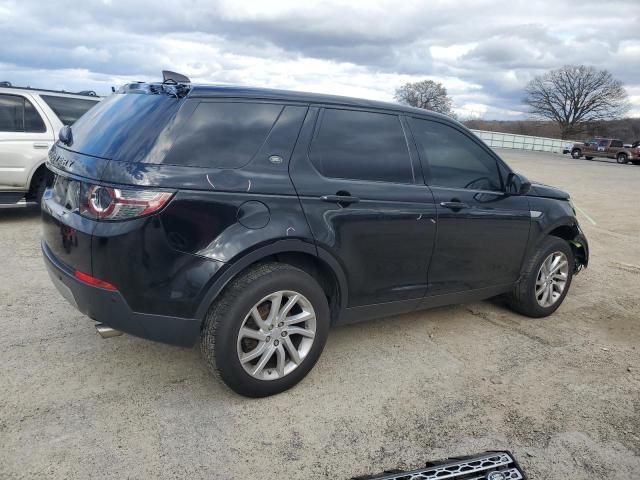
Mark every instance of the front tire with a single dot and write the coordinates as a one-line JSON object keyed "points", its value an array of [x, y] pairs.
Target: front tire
{"points": [[545, 281], [267, 330], [576, 153]]}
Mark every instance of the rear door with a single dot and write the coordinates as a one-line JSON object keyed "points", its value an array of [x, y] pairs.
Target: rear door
{"points": [[482, 231], [614, 147], [25, 138], [362, 190]]}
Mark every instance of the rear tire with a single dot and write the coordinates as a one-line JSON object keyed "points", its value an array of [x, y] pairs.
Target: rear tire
{"points": [[39, 183], [622, 158], [576, 153], [241, 325], [525, 298]]}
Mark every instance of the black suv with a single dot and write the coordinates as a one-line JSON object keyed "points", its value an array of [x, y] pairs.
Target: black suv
{"points": [[256, 219]]}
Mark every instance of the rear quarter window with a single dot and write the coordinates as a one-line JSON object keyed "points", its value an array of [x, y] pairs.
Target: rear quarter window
{"points": [[68, 109], [223, 134]]}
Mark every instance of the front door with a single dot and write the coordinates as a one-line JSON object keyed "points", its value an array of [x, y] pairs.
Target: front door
{"points": [[482, 231], [363, 194]]}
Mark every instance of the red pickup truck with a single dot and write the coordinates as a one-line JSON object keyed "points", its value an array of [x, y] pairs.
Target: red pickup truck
{"points": [[607, 148]]}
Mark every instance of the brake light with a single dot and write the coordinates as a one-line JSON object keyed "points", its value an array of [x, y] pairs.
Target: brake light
{"points": [[93, 281], [108, 203]]}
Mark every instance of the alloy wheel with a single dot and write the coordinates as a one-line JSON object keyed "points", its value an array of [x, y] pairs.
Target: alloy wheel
{"points": [[276, 335], [552, 279]]}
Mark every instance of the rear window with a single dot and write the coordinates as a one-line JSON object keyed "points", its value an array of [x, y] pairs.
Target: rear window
{"points": [[359, 145], [124, 126], [223, 134], [68, 109]]}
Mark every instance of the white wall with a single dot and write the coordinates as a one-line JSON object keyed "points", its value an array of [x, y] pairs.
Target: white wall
{"points": [[521, 142]]}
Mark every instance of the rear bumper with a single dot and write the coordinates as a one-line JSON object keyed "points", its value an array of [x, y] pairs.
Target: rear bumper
{"points": [[110, 307]]}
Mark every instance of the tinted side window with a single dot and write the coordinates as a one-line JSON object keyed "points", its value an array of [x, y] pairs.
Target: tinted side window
{"points": [[68, 109], [223, 135], [17, 114], [616, 144], [454, 159], [361, 145]]}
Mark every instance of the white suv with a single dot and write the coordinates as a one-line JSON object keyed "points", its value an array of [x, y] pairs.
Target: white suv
{"points": [[30, 120]]}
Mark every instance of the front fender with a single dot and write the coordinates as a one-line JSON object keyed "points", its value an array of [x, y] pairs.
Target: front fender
{"points": [[556, 217]]}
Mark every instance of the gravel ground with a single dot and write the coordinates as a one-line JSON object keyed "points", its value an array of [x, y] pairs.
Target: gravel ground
{"points": [[562, 392]]}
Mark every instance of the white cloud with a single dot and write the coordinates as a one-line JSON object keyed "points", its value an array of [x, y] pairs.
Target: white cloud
{"points": [[483, 52]]}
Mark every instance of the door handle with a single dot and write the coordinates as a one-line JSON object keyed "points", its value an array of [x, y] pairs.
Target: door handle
{"points": [[40, 145], [454, 205], [340, 199]]}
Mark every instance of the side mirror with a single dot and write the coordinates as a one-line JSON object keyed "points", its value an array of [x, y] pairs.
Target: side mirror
{"points": [[518, 184]]}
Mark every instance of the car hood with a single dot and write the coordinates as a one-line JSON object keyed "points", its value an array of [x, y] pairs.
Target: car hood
{"points": [[546, 191]]}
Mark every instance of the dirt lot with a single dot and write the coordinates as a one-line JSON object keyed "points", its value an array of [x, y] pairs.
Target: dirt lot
{"points": [[563, 393]]}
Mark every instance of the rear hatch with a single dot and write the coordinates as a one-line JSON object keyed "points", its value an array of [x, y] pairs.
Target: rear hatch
{"points": [[131, 127]]}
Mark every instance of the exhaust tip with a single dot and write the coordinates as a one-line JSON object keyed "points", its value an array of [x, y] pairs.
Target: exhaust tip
{"points": [[106, 331]]}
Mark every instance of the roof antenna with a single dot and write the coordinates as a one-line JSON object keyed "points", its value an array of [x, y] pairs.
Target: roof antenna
{"points": [[168, 76]]}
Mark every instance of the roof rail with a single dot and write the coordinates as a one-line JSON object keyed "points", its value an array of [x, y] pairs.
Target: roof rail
{"points": [[86, 93]]}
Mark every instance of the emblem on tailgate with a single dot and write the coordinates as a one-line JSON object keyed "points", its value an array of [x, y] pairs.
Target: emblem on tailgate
{"points": [[58, 160]]}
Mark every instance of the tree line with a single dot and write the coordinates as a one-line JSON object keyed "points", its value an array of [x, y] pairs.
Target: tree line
{"points": [[571, 102]]}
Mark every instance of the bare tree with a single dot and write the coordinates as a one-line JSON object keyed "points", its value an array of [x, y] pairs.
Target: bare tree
{"points": [[572, 96], [426, 94]]}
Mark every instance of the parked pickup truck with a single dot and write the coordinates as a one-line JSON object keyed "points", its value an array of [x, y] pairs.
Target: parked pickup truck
{"points": [[607, 148], [30, 120]]}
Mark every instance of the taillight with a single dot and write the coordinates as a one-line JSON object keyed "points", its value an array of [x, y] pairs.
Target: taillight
{"points": [[93, 281], [108, 203]]}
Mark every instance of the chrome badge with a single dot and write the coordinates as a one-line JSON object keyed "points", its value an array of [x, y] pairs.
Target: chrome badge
{"points": [[496, 476]]}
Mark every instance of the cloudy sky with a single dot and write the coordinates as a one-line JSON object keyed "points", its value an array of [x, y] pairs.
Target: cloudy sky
{"points": [[483, 52]]}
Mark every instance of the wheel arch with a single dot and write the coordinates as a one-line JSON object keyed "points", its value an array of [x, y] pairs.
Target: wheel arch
{"points": [[36, 172], [315, 261], [573, 235]]}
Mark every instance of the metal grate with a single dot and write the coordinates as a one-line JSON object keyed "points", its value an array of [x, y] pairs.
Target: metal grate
{"points": [[487, 466]]}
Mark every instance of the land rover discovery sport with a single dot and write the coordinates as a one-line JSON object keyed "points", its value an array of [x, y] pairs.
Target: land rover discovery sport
{"points": [[253, 220]]}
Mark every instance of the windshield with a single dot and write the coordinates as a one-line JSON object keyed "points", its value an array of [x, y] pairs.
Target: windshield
{"points": [[124, 126]]}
